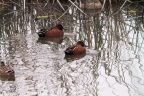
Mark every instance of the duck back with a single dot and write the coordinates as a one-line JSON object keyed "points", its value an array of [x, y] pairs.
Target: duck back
{"points": [[79, 50], [75, 50], [5, 70], [54, 32]]}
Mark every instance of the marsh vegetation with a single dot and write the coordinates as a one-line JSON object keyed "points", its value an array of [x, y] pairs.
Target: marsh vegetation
{"points": [[113, 63]]}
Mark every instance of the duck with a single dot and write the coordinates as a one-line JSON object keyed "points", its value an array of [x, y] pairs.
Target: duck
{"points": [[53, 32], [5, 70], [78, 48], [90, 5]]}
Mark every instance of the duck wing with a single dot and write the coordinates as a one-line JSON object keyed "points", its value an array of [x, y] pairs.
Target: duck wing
{"points": [[6, 70], [42, 32], [69, 50]]}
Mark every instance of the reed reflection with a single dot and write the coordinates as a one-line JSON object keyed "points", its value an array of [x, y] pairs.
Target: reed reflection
{"points": [[44, 69]]}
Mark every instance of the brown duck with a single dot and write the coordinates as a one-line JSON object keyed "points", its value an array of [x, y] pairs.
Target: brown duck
{"points": [[53, 32], [78, 48], [5, 70]]}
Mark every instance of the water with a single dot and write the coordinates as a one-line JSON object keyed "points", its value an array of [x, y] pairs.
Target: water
{"points": [[112, 65]]}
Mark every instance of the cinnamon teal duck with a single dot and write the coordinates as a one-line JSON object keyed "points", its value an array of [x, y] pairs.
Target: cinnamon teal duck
{"points": [[90, 4], [78, 48], [5, 70], [53, 32]]}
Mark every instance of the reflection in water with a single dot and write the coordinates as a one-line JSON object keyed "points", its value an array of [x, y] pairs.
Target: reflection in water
{"points": [[74, 57], [45, 40], [7, 78], [43, 69]]}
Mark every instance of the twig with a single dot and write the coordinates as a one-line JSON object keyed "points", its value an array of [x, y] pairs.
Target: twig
{"points": [[15, 3], [103, 4], [76, 7], [60, 5], [3, 3], [24, 4], [124, 3]]}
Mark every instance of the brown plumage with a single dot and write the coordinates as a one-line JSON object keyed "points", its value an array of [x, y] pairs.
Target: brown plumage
{"points": [[5, 70], [78, 48], [54, 32]]}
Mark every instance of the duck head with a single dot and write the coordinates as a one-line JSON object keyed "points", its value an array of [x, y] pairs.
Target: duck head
{"points": [[81, 43], [59, 26]]}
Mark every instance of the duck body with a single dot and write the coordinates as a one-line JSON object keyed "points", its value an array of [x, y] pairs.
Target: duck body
{"points": [[5, 70], [53, 32], [78, 48], [89, 4]]}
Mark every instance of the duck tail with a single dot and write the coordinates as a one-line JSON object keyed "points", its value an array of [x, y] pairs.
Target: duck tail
{"points": [[68, 53], [69, 50], [42, 32]]}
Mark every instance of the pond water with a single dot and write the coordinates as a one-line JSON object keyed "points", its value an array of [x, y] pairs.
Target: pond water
{"points": [[112, 66]]}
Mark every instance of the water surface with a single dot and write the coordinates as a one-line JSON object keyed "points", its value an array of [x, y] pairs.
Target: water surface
{"points": [[112, 65]]}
